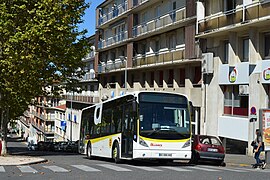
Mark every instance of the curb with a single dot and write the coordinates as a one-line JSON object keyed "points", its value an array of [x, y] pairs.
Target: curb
{"points": [[24, 163], [238, 165]]}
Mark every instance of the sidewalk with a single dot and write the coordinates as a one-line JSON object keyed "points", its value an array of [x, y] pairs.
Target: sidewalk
{"points": [[18, 154], [241, 160]]}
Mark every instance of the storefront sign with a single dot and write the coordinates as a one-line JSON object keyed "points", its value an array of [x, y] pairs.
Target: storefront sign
{"points": [[265, 127]]}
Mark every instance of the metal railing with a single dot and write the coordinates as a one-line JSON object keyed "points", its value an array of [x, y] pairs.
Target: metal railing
{"points": [[111, 65], [115, 12], [138, 2], [82, 98], [159, 58], [159, 22], [113, 40], [242, 14]]}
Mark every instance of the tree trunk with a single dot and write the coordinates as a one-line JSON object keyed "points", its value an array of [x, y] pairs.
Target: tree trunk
{"points": [[4, 123]]}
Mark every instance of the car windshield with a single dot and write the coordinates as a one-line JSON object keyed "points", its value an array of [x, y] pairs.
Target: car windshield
{"points": [[164, 120]]}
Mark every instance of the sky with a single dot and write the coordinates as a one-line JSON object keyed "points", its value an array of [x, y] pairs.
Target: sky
{"points": [[89, 17]]}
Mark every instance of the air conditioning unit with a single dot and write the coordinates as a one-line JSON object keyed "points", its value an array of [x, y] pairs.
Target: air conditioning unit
{"points": [[243, 90], [207, 63]]}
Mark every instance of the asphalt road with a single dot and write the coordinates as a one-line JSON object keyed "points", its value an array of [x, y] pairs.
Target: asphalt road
{"points": [[73, 166]]}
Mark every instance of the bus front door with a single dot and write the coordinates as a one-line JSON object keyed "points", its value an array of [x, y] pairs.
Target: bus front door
{"points": [[127, 134]]}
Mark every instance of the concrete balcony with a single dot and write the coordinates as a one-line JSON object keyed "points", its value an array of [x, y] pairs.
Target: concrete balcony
{"points": [[44, 128], [114, 13], [82, 98], [111, 66], [243, 15], [138, 2], [158, 23], [159, 58], [122, 36]]}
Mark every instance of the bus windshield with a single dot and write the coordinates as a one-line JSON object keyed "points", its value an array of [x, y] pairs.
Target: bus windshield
{"points": [[160, 120]]}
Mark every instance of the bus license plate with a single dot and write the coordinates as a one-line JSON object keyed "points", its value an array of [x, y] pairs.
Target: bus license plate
{"points": [[212, 150], [165, 154]]}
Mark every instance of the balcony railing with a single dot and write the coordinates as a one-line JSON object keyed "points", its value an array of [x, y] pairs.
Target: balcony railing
{"points": [[138, 2], [159, 58], [82, 98], [162, 21], [89, 56], [243, 14], [110, 66], [113, 40], [44, 128], [115, 12]]}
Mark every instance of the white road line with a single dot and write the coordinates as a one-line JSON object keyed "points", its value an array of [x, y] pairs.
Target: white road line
{"points": [[203, 169], [113, 167], [225, 169], [176, 169], [85, 168], [2, 169], [56, 169], [145, 168], [254, 170], [27, 169]]}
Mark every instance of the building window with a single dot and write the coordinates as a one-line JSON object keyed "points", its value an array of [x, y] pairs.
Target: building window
{"points": [[170, 78], [229, 5], [152, 79], [160, 78], [226, 52], [245, 50], [182, 77], [157, 46], [234, 103], [143, 79], [267, 46]]}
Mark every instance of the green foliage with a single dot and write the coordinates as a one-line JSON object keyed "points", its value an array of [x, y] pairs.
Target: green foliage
{"points": [[40, 45]]}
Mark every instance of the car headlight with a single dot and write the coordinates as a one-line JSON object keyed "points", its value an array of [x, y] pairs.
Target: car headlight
{"points": [[142, 142], [186, 144]]}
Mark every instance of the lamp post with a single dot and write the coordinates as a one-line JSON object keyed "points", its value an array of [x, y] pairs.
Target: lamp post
{"points": [[123, 59], [71, 115]]}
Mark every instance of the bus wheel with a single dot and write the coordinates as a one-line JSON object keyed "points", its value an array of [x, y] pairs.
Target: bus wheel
{"points": [[89, 151], [116, 153]]}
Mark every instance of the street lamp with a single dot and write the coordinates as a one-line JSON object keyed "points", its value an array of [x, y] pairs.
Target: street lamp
{"points": [[123, 59]]}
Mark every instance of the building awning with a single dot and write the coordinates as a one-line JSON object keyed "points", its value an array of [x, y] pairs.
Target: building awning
{"points": [[263, 68], [238, 74]]}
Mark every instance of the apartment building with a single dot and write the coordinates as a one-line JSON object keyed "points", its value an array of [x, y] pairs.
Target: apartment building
{"points": [[237, 34], [86, 96], [148, 45]]}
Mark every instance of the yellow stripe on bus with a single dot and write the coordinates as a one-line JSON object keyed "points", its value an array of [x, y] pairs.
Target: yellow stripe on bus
{"points": [[101, 138], [164, 140]]}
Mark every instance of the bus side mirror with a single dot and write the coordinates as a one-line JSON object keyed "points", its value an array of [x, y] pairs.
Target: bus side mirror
{"points": [[191, 108]]}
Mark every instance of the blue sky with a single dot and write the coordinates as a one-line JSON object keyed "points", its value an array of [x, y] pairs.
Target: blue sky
{"points": [[89, 17]]}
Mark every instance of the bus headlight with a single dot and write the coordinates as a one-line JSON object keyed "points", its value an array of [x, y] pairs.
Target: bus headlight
{"points": [[186, 144], [142, 142]]}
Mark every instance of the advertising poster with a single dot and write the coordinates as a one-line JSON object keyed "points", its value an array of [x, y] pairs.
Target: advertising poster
{"points": [[265, 125]]}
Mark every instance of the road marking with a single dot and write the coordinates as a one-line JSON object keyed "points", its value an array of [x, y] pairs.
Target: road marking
{"points": [[203, 169], [176, 169], [225, 169], [145, 168], [254, 170], [2, 169], [56, 169], [27, 169], [85, 168], [113, 167]]}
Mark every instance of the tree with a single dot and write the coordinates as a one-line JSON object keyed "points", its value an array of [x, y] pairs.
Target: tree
{"points": [[40, 44]]}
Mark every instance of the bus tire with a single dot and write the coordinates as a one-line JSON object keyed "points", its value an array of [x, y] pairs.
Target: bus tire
{"points": [[89, 151], [116, 153]]}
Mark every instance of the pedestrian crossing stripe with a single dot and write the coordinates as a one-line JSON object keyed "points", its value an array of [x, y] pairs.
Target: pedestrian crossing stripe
{"points": [[204, 169], [85, 168], [176, 168], [2, 169], [113, 167], [226, 169], [145, 168], [27, 169], [56, 169]]}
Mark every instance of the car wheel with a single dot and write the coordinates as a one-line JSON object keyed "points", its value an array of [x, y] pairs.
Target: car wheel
{"points": [[221, 163], [89, 151], [116, 153], [194, 158]]}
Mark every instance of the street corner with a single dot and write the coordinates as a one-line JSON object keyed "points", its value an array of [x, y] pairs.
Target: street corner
{"points": [[20, 160]]}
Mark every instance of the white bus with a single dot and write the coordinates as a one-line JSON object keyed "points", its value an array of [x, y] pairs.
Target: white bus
{"points": [[140, 125]]}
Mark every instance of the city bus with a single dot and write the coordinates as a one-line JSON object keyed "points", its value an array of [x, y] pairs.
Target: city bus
{"points": [[138, 125]]}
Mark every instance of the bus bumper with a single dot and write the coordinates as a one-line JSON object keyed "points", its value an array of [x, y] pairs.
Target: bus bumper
{"points": [[161, 154]]}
